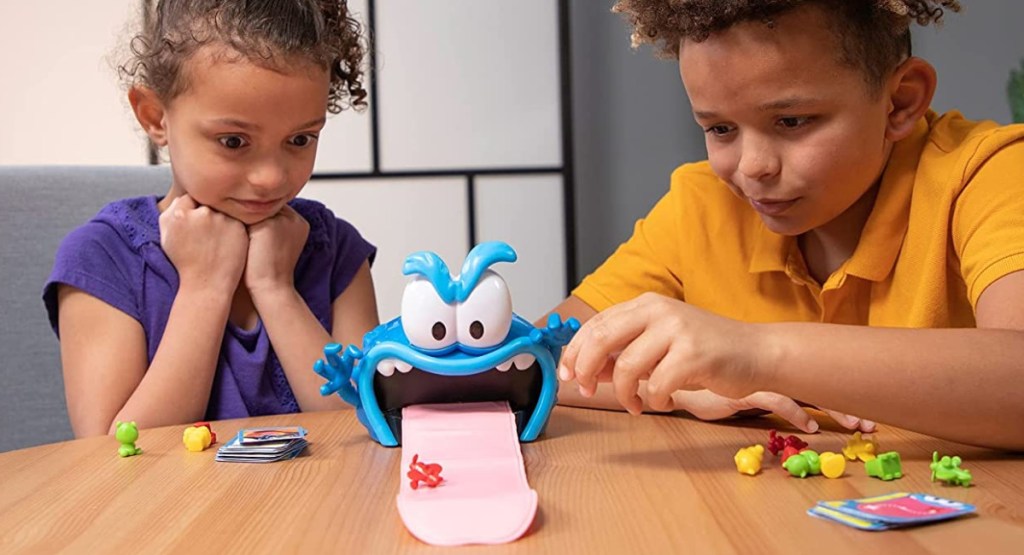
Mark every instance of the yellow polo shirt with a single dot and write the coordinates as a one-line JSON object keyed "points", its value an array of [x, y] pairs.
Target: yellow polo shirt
{"points": [[947, 222]]}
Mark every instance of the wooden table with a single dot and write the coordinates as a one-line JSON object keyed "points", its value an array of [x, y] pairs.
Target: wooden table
{"points": [[607, 483]]}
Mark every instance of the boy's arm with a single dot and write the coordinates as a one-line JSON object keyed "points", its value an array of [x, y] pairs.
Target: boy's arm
{"points": [[299, 339], [701, 404], [966, 385], [104, 357]]}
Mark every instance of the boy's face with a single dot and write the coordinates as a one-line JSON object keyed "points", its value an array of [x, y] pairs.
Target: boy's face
{"points": [[790, 129], [242, 138]]}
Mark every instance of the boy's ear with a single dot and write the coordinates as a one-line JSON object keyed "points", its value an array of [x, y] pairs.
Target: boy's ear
{"points": [[149, 111], [910, 89]]}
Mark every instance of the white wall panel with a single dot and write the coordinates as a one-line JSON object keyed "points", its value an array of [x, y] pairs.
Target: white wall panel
{"points": [[468, 84], [61, 101], [400, 216], [345, 143], [526, 212]]}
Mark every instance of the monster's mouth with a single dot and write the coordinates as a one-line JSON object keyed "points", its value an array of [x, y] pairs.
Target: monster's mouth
{"points": [[398, 384]]}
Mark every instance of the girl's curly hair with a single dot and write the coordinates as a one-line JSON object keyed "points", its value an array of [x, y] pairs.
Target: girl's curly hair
{"points": [[874, 35], [268, 32]]}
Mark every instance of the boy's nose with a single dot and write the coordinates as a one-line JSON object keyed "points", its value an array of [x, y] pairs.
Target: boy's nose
{"points": [[758, 161]]}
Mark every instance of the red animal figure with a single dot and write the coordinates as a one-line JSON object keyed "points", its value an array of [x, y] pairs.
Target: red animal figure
{"points": [[776, 444], [427, 473]]}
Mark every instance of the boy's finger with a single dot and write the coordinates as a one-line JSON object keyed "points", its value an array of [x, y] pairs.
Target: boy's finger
{"points": [[608, 333], [786, 408], [634, 364]]}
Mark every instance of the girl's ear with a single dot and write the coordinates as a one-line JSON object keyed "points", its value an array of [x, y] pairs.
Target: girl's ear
{"points": [[910, 89], [149, 111]]}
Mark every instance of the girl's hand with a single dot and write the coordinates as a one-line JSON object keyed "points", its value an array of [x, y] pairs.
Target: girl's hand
{"points": [[274, 248], [206, 247], [671, 344]]}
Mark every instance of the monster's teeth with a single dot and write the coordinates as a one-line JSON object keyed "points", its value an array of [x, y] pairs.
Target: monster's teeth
{"points": [[505, 366], [386, 367], [403, 366], [523, 361]]}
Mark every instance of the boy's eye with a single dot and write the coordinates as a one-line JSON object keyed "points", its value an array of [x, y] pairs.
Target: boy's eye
{"points": [[303, 140], [232, 141], [794, 122], [717, 130]]}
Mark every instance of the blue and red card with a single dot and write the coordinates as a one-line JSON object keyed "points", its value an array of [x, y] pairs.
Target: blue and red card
{"points": [[894, 510]]}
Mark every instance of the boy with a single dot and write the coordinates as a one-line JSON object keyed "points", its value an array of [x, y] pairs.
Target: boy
{"points": [[842, 245]]}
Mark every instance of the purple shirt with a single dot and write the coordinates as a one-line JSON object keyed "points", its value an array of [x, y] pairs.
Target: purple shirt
{"points": [[116, 257]]}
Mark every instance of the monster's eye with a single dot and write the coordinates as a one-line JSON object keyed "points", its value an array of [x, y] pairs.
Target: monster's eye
{"points": [[941, 501], [486, 316], [428, 321]]}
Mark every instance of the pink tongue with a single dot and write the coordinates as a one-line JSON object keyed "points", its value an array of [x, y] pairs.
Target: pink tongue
{"points": [[484, 497]]}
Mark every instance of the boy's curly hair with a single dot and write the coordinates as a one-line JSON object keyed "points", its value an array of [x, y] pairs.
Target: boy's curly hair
{"points": [[268, 32], [874, 35]]}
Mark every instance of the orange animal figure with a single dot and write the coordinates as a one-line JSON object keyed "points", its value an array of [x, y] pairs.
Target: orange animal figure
{"points": [[427, 473]]}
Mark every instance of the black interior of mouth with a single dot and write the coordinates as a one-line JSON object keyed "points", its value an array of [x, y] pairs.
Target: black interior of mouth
{"points": [[521, 388]]}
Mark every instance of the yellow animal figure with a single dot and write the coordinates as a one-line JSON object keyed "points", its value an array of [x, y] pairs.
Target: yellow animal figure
{"points": [[748, 459], [832, 464], [196, 438], [859, 448]]}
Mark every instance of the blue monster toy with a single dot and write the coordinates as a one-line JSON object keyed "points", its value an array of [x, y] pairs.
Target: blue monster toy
{"points": [[456, 341]]}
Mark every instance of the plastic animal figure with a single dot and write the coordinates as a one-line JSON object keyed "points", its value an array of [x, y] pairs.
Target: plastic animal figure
{"points": [[427, 473], [885, 466], [947, 469], [127, 433], [213, 434], [748, 459], [788, 452], [832, 464], [861, 448], [196, 438], [776, 443], [456, 340], [803, 463]]}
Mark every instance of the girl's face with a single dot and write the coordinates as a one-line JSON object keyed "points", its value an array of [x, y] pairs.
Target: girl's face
{"points": [[789, 129], [242, 138]]}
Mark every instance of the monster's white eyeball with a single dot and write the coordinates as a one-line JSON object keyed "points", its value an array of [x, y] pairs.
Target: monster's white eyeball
{"points": [[428, 321], [485, 317]]}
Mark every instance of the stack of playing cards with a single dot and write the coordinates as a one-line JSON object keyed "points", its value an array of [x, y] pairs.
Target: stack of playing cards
{"points": [[264, 445], [885, 512]]}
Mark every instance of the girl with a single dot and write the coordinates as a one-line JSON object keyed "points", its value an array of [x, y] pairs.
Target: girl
{"points": [[214, 301]]}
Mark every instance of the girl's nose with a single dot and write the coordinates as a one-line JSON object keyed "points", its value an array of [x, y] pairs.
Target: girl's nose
{"points": [[268, 176]]}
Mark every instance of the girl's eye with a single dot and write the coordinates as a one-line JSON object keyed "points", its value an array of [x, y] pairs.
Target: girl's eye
{"points": [[303, 140], [232, 142]]}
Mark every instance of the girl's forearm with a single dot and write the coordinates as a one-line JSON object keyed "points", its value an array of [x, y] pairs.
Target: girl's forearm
{"points": [[298, 340], [965, 385], [176, 386]]}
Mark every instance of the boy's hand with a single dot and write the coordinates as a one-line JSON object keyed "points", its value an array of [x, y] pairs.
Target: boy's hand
{"points": [[206, 247], [707, 405], [673, 345], [274, 248]]}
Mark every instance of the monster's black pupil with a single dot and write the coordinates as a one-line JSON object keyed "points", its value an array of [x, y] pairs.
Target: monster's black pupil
{"points": [[476, 329], [438, 331]]}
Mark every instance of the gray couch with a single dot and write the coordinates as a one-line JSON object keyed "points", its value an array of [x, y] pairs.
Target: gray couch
{"points": [[38, 207]]}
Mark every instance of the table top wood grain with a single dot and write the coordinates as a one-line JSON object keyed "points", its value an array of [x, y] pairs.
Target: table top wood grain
{"points": [[607, 483]]}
